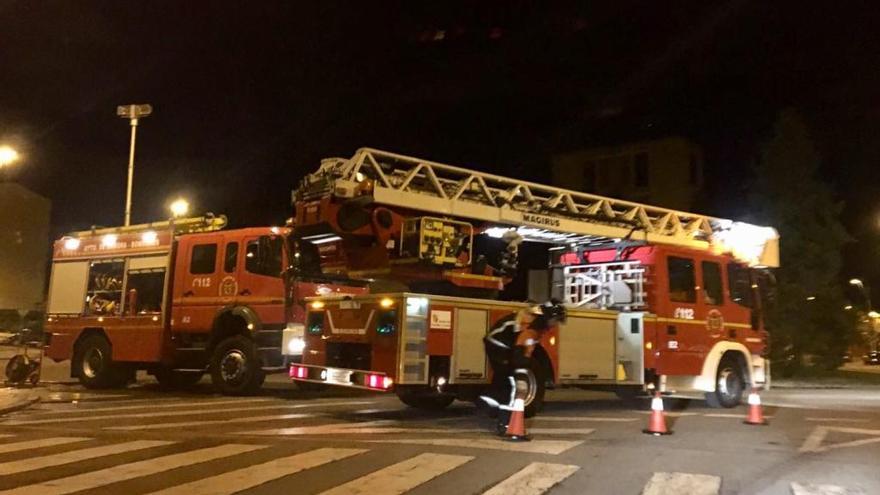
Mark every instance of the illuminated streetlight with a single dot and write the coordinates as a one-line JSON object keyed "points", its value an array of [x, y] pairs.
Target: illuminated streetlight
{"points": [[847, 307], [132, 113], [7, 155], [179, 207], [855, 281], [873, 314]]}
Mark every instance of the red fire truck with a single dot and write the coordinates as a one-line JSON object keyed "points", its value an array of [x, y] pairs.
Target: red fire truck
{"points": [[655, 296], [179, 298]]}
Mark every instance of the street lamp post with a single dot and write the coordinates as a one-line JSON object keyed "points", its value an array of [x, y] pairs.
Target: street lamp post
{"points": [[132, 113]]}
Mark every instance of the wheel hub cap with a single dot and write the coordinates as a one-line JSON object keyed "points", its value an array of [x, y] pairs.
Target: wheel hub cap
{"points": [[93, 361], [233, 365]]}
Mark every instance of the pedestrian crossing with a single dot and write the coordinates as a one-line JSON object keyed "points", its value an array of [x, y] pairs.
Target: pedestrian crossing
{"points": [[229, 468]]}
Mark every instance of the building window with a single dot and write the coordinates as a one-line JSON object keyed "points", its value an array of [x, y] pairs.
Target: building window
{"points": [[263, 256], [640, 169], [681, 280], [230, 259], [694, 170], [203, 259], [712, 289]]}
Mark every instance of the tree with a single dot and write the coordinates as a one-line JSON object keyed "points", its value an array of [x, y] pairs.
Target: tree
{"points": [[807, 317]]}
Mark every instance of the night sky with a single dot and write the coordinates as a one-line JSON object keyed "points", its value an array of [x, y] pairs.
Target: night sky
{"points": [[249, 96]]}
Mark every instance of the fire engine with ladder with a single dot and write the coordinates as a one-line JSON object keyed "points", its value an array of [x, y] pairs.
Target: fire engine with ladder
{"points": [[654, 296], [179, 299]]}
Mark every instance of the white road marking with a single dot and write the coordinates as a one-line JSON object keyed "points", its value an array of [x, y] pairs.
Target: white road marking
{"points": [[799, 489], [359, 428], [33, 463], [672, 414], [36, 444], [401, 477], [585, 418], [553, 447], [839, 420], [251, 476], [159, 406], [184, 424], [188, 412], [731, 415], [75, 397], [682, 483], [813, 442], [132, 470], [560, 431], [534, 479]]}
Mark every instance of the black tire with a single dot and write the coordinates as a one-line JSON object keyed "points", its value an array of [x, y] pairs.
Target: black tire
{"points": [[425, 400], [17, 369], [235, 367], [729, 385], [94, 366], [538, 381], [173, 379]]}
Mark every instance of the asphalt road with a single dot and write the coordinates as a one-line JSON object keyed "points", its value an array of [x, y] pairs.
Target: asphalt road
{"points": [[145, 440]]}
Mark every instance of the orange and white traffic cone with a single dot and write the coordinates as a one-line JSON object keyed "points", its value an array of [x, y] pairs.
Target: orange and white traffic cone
{"points": [[756, 411], [657, 420], [516, 426]]}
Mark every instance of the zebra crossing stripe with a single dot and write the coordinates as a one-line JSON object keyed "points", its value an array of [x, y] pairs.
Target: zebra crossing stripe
{"points": [[401, 477], [602, 419], [553, 447], [36, 444], [809, 489], [199, 403], [534, 479], [124, 472], [40, 462], [249, 477], [676, 483], [184, 424], [188, 412]]}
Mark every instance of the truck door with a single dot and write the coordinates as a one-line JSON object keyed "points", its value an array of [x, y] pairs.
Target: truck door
{"points": [[680, 330], [196, 283], [260, 286]]}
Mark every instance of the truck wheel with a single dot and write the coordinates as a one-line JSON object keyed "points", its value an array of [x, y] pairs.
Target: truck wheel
{"points": [[93, 364], [235, 367], [173, 379], [425, 400], [535, 397], [729, 385]]}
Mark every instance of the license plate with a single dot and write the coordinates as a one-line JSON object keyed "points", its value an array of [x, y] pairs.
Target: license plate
{"points": [[340, 377], [349, 305]]}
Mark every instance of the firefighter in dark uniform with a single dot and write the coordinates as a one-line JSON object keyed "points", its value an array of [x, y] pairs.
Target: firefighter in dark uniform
{"points": [[509, 347]]}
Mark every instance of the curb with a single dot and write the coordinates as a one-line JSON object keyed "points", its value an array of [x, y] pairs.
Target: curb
{"points": [[19, 405]]}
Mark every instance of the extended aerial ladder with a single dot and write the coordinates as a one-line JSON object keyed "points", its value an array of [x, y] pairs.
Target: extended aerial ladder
{"points": [[538, 212]]}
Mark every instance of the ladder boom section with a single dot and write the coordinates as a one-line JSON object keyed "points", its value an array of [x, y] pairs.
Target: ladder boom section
{"points": [[417, 184]]}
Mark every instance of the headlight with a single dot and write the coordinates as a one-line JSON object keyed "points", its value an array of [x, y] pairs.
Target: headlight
{"points": [[296, 346]]}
